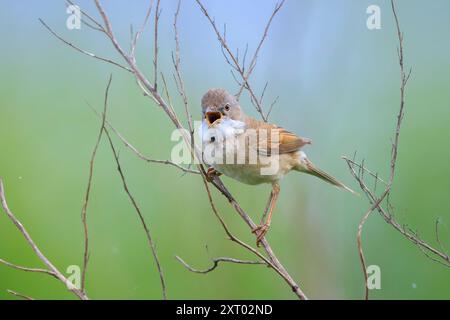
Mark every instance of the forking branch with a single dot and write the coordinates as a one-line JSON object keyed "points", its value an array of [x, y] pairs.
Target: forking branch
{"points": [[240, 66], [150, 241], [50, 267], [51, 270], [215, 263], [20, 295], [88, 190], [103, 129], [150, 90], [376, 202], [132, 199]]}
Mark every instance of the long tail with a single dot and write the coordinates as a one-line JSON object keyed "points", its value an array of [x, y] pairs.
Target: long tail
{"points": [[308, 167]]}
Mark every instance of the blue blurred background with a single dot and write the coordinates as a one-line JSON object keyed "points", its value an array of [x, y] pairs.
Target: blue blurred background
{"points": [[338, 84]]}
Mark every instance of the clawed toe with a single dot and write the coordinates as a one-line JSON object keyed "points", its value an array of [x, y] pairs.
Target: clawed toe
{"points": [[211, 173], [260, 232]]}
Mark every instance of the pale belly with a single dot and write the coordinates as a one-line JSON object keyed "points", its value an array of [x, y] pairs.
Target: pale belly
{"points": [[271, 171], [236, 158]]}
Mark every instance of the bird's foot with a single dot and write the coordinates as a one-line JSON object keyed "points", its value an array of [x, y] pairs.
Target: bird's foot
{"points": [[260, 232], [211, 173]]}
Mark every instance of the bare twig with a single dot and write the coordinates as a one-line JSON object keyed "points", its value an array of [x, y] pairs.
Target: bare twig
{"points": [[148, 159], [176, 60], [394, 152], [273, 261], [88, 190], [233, 59], [274, 102], [166, 91], [144, 83], [155, 57], [51, 268], [178, 77], [26, 269], [216, 262], [361, 252], [139, 32], [360, 167], [138, 153], [375, 201], [97, 26], [90, 54], [125, 187], [438, 240], [20, 295], [255, 55], [141, 217], [411, 236]]}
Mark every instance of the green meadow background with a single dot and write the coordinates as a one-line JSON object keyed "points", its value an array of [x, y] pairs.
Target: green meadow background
{"points": [[338, 84]]}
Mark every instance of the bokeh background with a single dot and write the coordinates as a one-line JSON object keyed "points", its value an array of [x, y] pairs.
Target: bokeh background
{"points": [[338, 84]]}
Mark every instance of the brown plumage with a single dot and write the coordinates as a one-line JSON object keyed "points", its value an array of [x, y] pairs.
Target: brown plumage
{"points": [[273, 144]]}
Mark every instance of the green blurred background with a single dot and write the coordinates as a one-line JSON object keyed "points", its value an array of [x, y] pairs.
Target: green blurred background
{"points": [[338, 84]]}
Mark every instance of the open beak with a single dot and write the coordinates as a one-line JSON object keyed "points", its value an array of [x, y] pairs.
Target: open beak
{"points": [[212, 117]]}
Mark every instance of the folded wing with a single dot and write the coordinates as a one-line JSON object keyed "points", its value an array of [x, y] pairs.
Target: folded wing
{"points": [[272, 138]]}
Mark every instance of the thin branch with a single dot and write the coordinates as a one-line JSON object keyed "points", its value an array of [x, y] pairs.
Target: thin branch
{"points": [[125, 186], [376, 202], [177, 65], [255, 55], [88, 190], [272, 262], [141, 217], [176, 60], [411, 236], [438, 240], [361, 251], [166, 91], [274, 102], [155, 57], [261, 98], [233, 60], [26, 269], [105, 18], [55, 272], [216, 262], [90, 54], [361, 167], [148, 159], [91, 26], [98, 27], [144, 83], [139, 32], [20, 295], [138, 153]]}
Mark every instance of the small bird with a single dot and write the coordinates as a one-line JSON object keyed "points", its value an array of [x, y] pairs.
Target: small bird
{"points": [[252, 151]]}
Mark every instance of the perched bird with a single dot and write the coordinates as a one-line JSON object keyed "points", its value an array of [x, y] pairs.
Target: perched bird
{"points": [[252, 151]]}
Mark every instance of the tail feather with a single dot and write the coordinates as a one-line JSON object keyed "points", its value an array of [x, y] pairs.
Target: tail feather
{"points": [[308, 167]]}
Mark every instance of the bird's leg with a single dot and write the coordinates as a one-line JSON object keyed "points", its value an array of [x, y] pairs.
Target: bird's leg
{"points": [[266, 209], [262, 229], [211, 173]]}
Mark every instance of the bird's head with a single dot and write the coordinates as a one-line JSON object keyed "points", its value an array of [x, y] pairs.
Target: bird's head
{"points": [[218, 104]]}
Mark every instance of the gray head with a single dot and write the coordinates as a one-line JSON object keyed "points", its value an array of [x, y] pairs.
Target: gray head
{"points": [[218, 103]]}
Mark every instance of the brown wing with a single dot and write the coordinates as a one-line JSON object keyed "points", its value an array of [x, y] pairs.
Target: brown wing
{"points": [[272, 137], [290, 142]]}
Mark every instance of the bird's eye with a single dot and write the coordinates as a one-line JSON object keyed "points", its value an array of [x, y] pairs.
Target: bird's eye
{"points": [[213, 139], [227, 107]]}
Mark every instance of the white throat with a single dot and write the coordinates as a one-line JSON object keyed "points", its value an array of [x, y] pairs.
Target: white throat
{"points": [[221, 130]]}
